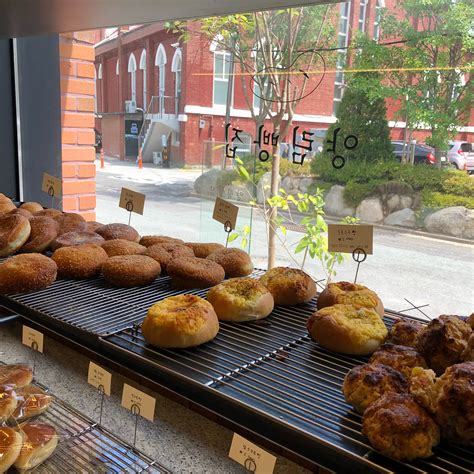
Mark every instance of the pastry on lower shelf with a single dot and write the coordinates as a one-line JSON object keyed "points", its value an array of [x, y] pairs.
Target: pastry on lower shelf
{"points": [[179, 322], [14, 232], [235, 262], [193, 272], [43, 232], [80, 262], [26, 272], [344, 292], [405, 332], [8, 404], [70, 222], [202, 250], [39, 442], [122, 247], [289, 286], [149, 240], [468, 354], [11, 443], [72, 239], [400, 428], [33, 207], [241, 299], [118, 231], [32, 401], [128, 271], [347, 329], [364, 384], [15, 375], [93, 225], [165, 253]]}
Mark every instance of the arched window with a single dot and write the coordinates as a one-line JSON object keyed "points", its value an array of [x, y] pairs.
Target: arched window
{"points": [[176, 66], [379, 5], [117, 67], [342, 42], [143, 68], [99, 74], [132, 69], [160, 61], [222, 60]]}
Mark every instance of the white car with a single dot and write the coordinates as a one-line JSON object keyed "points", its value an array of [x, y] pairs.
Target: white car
{"points": [[461, 155]]}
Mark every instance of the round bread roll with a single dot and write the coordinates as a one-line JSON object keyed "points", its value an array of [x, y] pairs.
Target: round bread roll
{"points": [[179, 322], [14, 232], [10, 446], [26, 272], [118, 231], [51, 212], [72, 239], [21, 212], [202, 250], [347, 329], [15, 375], [130, 270], [235, 262], [364, 384], [164, 253], [8, 404], [405, 332], [344, 292], [149, 240], [70, 222], [241, 299], [399, 428], [43, 231], [80, 262], [122, 247], [33, 207], [39, 442], [6, 205], [289, 286], [32, 401], [193, 272], [93, 225]]}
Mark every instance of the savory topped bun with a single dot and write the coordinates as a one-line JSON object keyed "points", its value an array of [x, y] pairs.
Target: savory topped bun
{"points": [[241, 299], [118, 231], [193, 272], [130, 270], [235, 262], [70, 222], [347, 329], [366, 383], [26, 272], [72, 239], [15, 375], [179, 322], [399, 428], [344, 292], [202, 250], [149, 240], [80, 262], [164, 253], [405, 332], [10, 446], [289, 286], [14, 232], [33, 207], [43, 231], [122, 247]]}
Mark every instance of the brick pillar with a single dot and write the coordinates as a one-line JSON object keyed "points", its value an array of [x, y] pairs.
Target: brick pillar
{"points": [[77, 121]]}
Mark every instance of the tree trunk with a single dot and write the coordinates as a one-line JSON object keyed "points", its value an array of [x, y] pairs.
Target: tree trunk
{"points": [[272, 221]]}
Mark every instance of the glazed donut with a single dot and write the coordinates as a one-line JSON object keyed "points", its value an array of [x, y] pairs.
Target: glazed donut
{"points": [[11, 442], [32, 401], [71, 239], [14, 232], [289, 286], [27, 272], [118, 231], [344, 292], [179, 322], [193, 272], [130, 270], [166, 252], [241, 299], [20, 212], [43, 231], [53, 213], [80, 262], [15, 375], [204, 249], [122, 247], [149, 240], [33, 207], [70, 222], [235, 262], [93, 225], [6, 204]]}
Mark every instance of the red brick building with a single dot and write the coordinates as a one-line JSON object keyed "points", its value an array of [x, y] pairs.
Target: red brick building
{"points": [[181, 88]]}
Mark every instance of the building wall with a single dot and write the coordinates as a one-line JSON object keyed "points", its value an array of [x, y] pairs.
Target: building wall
{"points": [[112, 128]]}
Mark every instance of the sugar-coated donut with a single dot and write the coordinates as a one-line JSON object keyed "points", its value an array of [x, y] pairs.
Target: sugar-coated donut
{"points": [[164, 253], [202, 250], [33, 207], [344, 292], [21, 212], [149, 240], [26, 272], [241, 299], [235, 262], [11, 442], [122, 247], [80, 262], [179, 322], [93, 225], [130, 270], [70, 222], [14, 232], [118, 231], [193, 272], [289, 286], [6, 204], [43, 231], [71, 239], [51, 212]]}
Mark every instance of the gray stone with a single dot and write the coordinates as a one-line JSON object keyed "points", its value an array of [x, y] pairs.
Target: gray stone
{"points": [[238, 192], [469, 227], [287, 183], [370, 210], [393, 202], [455, 221], [335, 204], [305, 183], [406, 202], [263, 188], [205, 184], [402, 218]]}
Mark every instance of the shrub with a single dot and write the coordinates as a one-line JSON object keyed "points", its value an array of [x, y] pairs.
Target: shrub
{"points": [[439, 200], [226, 178], [458, 183], [355, 193]]}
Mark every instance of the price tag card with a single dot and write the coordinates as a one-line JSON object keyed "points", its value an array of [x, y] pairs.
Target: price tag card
{"points": [[99, 378], [138, 402], [132, 201], [225, 212], [347, 237], [32, 338], [251, 456], [52, 185]]}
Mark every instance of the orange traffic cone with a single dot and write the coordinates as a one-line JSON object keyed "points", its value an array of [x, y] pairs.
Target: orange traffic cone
{"points": [[140, 161], [102, 158]]}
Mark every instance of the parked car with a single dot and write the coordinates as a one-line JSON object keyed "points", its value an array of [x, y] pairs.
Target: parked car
{"points": [[461, 155], [424, 154]]}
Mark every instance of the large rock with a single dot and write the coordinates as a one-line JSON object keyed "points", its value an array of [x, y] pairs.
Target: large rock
{"points": [[335, 204], [456, 221], [393, 202], [406, 202], [305, 183], [403, 218], [238, 192], [263, 188], [206, 184], [370, 210]]}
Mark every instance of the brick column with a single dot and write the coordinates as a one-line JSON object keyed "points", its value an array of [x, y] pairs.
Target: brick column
{"points": [[77, 121]]}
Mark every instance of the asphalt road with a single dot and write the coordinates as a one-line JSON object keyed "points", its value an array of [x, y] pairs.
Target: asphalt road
{"points": [[405, 266]]}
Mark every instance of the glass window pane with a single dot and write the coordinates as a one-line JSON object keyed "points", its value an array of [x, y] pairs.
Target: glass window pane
{"points": [[220, 92], [218, 65]]}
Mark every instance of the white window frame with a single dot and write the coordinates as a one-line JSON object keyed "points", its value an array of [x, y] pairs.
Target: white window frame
{"points": [[132, 69], [221, 77], [343, 41], [99, 73], [362, 14], [176, 67], [243, 149], [160, 61], [379, 6], [95, 89], [117, 67], [144, 71]]}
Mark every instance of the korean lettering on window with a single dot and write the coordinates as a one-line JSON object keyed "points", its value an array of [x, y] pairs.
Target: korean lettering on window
{"points": [[350, 142]]}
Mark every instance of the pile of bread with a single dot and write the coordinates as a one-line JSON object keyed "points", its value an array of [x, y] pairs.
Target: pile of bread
{"points": [[24, 444]]}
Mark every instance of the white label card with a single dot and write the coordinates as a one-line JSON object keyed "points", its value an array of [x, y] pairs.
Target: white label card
{"points": [[225, 212], [32, 338], [52, 185], [99, 378], [251, 456], [138, 402]]}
